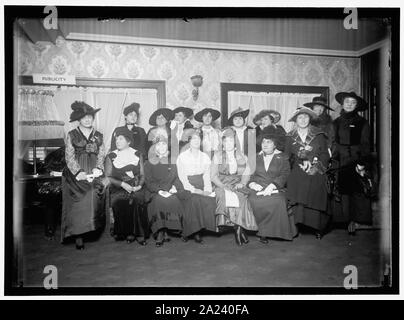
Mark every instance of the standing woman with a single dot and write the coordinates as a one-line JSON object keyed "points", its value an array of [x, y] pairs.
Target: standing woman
{"points": [[163, 190], [306, 147], [180, 123], [237, 123], [124, 169], [352, 135], [83, 208], [161, 127], [210, 137], [323, 120], [230, 174], [267, 198], [193, 168], [267, 121]]}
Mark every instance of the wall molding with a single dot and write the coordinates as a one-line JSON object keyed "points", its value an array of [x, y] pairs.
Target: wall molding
{"points": [[221, 45]]}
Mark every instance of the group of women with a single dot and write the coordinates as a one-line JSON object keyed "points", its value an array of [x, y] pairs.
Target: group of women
{"points": [[178, 179]]}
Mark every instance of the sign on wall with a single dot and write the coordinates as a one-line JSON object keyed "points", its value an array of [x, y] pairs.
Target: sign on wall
{"points": [[53, 79]]}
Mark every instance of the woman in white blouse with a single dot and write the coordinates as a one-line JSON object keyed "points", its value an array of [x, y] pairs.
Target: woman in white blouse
{"points": [[209, 135], [193, 168]]}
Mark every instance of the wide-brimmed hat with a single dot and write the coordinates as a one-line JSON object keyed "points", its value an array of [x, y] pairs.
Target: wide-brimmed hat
{"points": [[81, 109], [276, 138], [188, 112], [320, 100], [361, 105], [238, 113], [167, 113], [132, 107], [302, 110], [276, 115], [215, 114]]}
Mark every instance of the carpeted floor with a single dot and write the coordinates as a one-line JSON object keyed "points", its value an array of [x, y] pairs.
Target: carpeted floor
{"points": [[219, 262]]}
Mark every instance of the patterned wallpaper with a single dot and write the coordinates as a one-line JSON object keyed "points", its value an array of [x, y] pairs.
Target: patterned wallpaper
{"points": [[177, 65]]}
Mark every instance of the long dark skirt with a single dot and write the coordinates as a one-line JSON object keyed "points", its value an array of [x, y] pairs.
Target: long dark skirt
{"points": [[130, 216], [199, 210], [312, 218], [165, 213], [272, 217], [83, 207]]}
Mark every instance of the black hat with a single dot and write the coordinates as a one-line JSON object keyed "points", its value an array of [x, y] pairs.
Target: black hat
{"points": [[320, 100], [301, 110], [276, 138], [215, 114], [238, 113], [167, 113], [188, 112], [81, 109], [124, 131], [132, 107], [362, 104]]}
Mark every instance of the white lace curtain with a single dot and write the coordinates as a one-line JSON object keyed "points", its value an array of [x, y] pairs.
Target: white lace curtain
{"points": [[111, 101], [284, 103]]}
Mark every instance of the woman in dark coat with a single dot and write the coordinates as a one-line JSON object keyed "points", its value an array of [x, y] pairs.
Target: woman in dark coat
{"points": [[268, 197], [160, 120], [164, 191], [352, 145], [306, 147], [194, 172], [131, 114], [268, 125], [323, 120], [83, 208], [124, 169], [230, 174]]}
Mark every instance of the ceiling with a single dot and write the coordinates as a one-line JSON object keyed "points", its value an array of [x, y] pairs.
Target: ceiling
{"points": [[326, 34]]}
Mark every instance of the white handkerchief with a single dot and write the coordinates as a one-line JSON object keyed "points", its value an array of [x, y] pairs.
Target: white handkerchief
{"points": [[231, 199], [164, 194], [130, 174]]}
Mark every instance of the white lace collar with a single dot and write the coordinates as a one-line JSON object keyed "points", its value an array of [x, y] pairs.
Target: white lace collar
{"points": [[125, 157]]}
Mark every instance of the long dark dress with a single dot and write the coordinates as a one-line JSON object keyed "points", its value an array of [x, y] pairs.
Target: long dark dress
{"points": [[138, 139], [163, 212], [324, 123], [199, 210], [307, 193], [352, 134], [83, 208], [230, 216], [130, 216], [271, 211]]}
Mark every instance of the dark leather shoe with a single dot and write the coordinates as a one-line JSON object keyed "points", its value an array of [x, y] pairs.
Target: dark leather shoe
{"points": [[80, 247], [185, 239], [198, 239], [264, 240], [244, 238], [130, 239], [319, 236], [142, 242], [159, 243]]}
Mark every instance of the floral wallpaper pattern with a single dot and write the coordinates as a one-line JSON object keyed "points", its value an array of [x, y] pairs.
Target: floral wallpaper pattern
{"points": [[177, 65]]}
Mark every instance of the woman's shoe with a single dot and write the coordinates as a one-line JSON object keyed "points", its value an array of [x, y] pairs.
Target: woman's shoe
{"points": [[237, 235], [198, 238], [351, 229], [166, 237], [184, 239], [319, 236], [244, 238], [130, 239], [141, 242], [160, 239], [79, 244], [264, 240]]}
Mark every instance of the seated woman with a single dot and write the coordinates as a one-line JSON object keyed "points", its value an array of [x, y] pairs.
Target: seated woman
{"points": [[268, 200], [124, 169], [230, 174], [163, 189], [267, 120], [193, 168]]}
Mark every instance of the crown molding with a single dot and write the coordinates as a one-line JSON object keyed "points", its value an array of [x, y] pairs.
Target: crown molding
{"points": [[218, 45], [374, 46]]}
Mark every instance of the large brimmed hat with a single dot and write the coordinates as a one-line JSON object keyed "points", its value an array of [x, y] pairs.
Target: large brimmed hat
{"points": [[215, 114], [238, 113], [132, 107], [276, 115], [188, 112], [167, 113], [320, 100], [362, 104], [81, 109], [302, 110]]}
